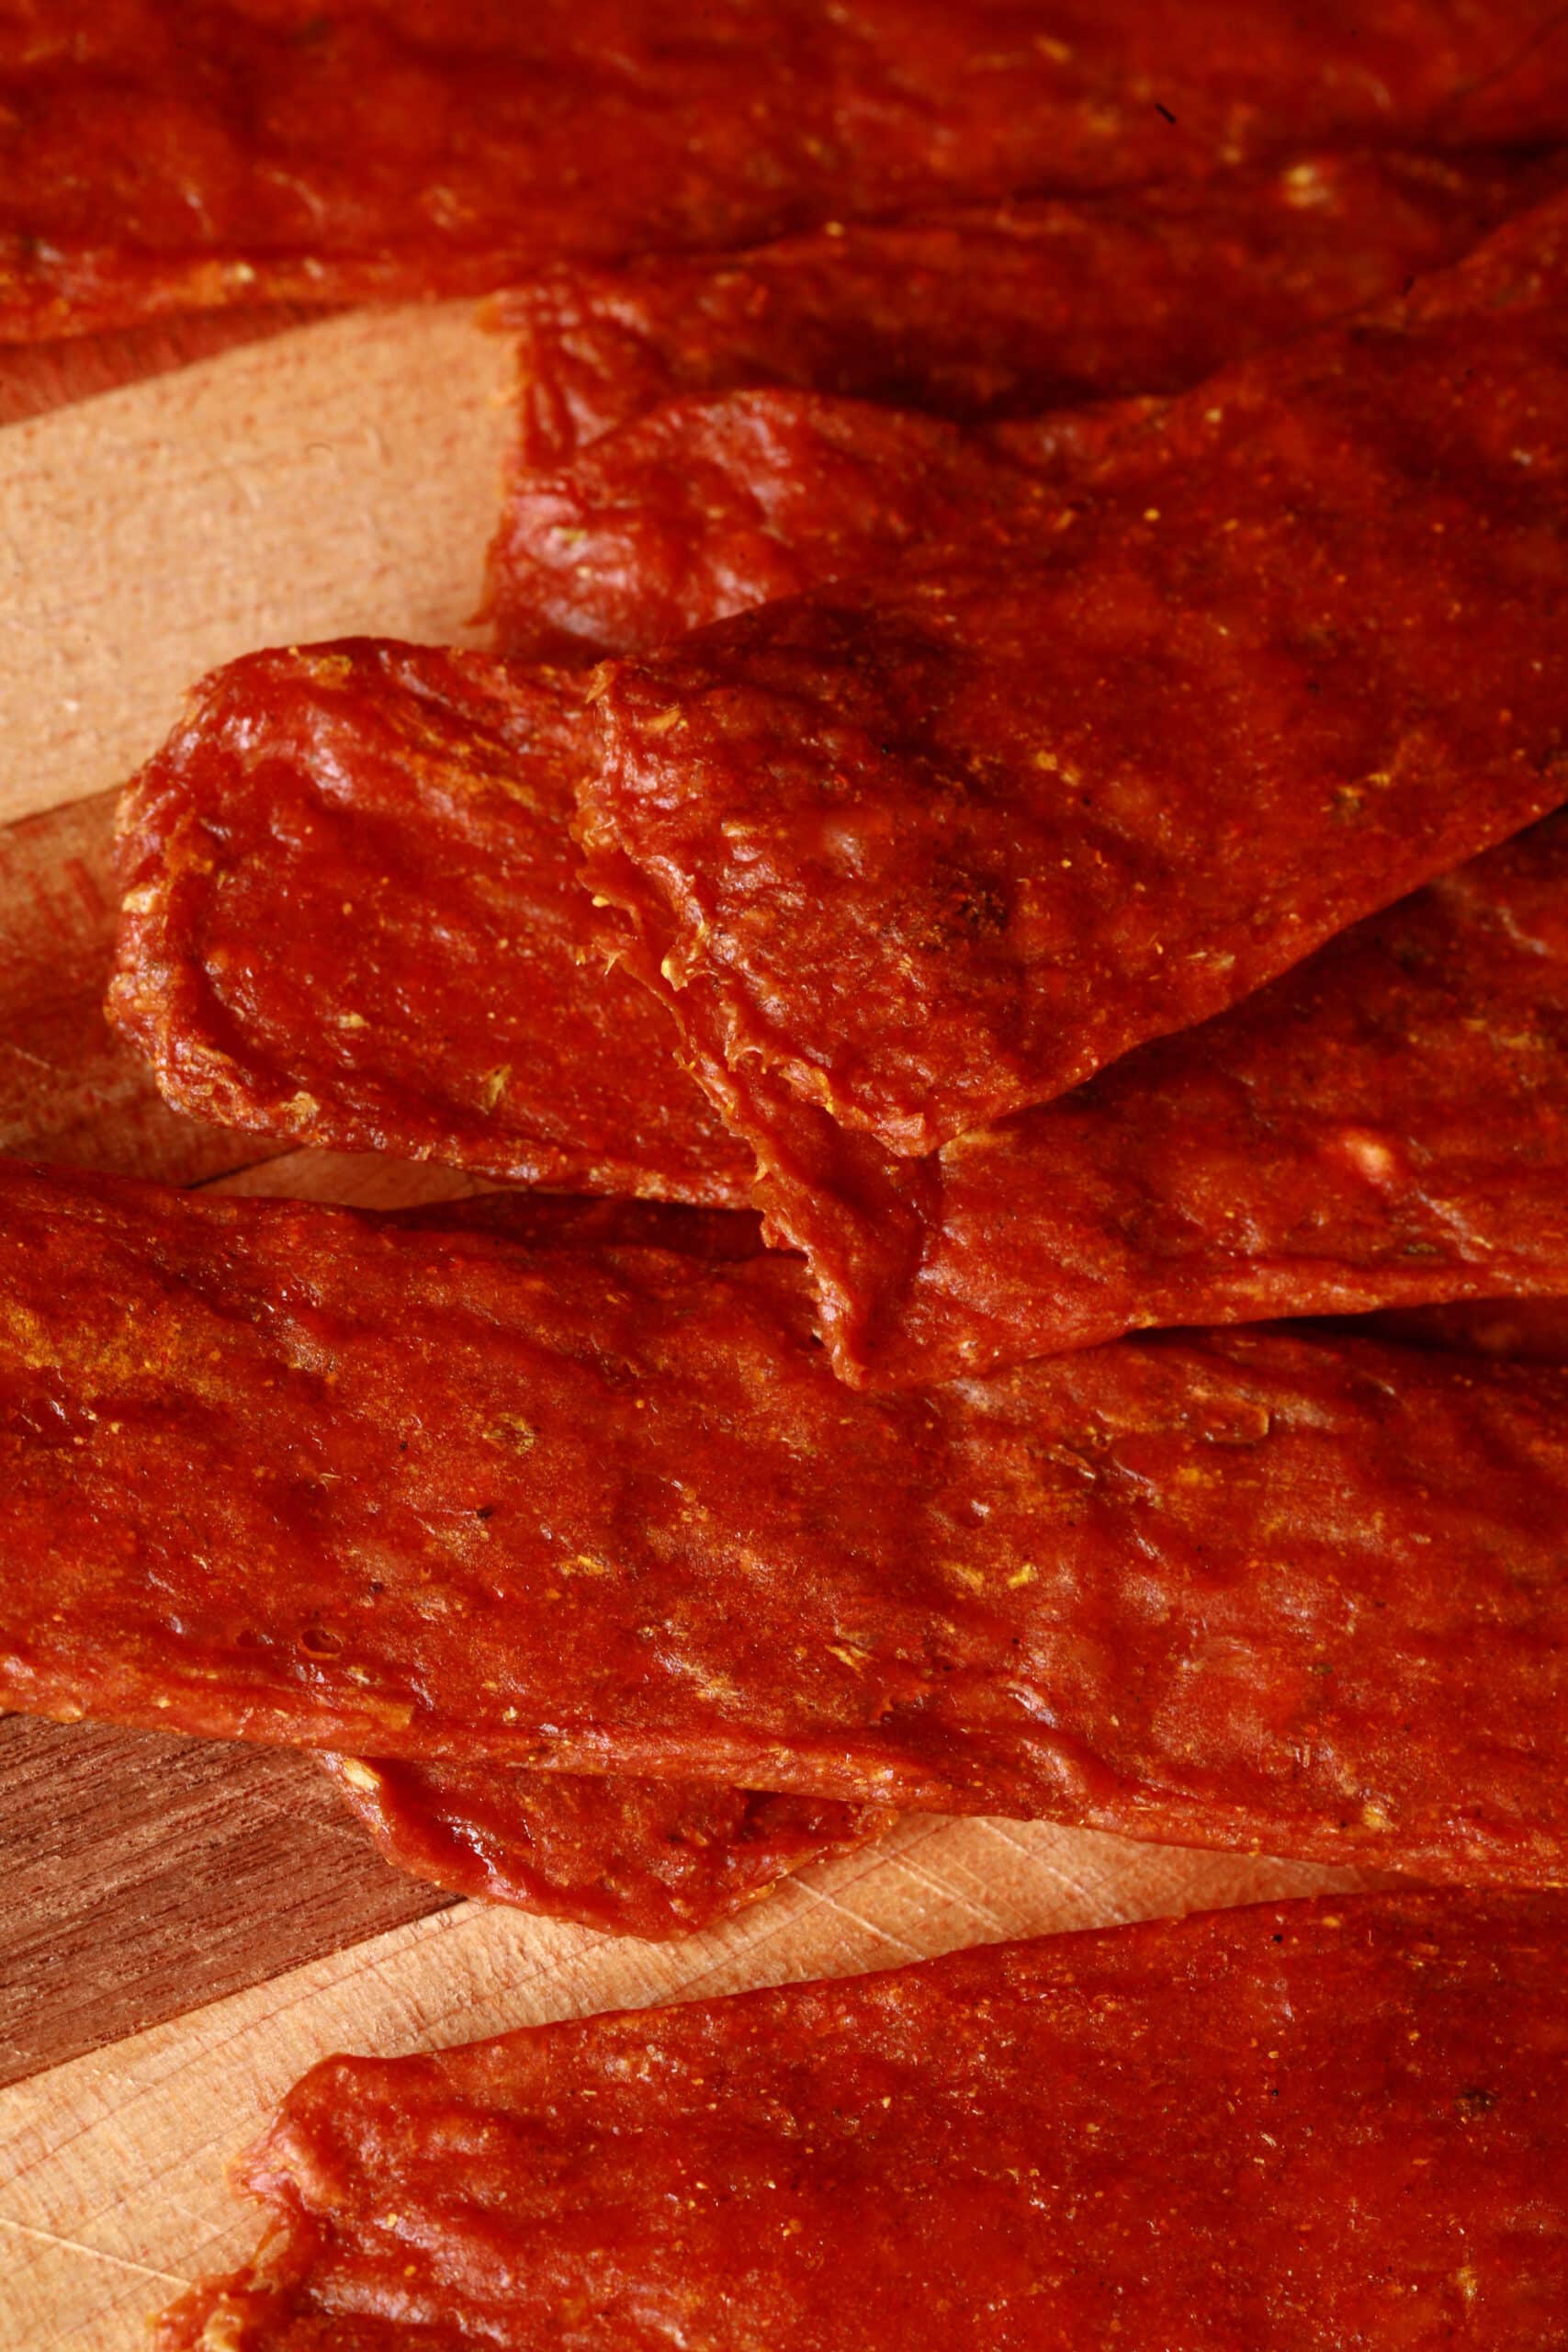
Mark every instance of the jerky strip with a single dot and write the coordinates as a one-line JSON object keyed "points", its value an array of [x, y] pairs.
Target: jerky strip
{"points": [[640, 1858], [632, 1858], [944, 845], [277, 1472], [710, 506], [1388, 1123], [1294, 2127], [175, 154], [1002, 311], [396, 815]]}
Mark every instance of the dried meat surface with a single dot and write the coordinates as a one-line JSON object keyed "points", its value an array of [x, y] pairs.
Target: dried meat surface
{"points": [[942, 846], [1290, 2128], [273, 1471], [641, 1858], [1386, 1124], [162, 154], [702, 504], [711, 505], [635, 1857], [1002, 310], [396, 815]]}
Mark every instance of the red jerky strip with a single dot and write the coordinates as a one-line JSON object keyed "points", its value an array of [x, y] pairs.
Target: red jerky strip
{"points": [[945, 845], [1004, 310], [634, 1857], [278, 1472], [641, 1858], [397, 815], [1291, 2128], [160, 155], [710, 506], [1386, 1124]]}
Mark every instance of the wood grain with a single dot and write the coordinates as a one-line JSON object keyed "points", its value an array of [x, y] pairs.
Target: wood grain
{"points": [[38, 376], [146, 1875], [111, 2168], [340, 478]]}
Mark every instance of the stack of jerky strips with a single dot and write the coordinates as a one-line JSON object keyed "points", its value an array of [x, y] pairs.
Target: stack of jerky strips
{"points": [[1067, 829]]}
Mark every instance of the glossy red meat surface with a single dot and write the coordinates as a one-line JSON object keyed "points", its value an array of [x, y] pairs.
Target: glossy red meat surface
{"points": [[1293, 2128], [1387, 1123], [396, 814], [633, 1858], [936, 847], [164, 155], [1002, 310], [277, 1472]]}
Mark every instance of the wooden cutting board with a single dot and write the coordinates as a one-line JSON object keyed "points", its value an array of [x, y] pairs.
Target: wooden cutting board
{"points": [[186, 1926]]}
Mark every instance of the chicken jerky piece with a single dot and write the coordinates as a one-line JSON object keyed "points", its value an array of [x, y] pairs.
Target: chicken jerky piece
{"points": [[396, 815], [1307, 1151], [632, 1858], [278, 1472], [943, 845], [1385, 1124], [1002, 310], [166, 155], [642, 1858], [710, 506], [1288, 2128]]}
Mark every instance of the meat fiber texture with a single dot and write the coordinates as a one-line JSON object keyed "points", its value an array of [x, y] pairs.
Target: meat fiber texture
{"points": [[1387, 1122], [1290, 2128], [640, 1858], [938, 847], [278, 1472], [703, 503], [398, 814], [983, 313], [170, 154]]}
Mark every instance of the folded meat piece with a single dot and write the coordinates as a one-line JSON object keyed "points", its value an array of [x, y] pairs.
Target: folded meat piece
{"points": [[637, 1858], [942, 846], [164, 155], [1387, 1123], [711, 505], [713, 502], [398, 814], [278, 1472], [985, 312], [1294, 2127]]}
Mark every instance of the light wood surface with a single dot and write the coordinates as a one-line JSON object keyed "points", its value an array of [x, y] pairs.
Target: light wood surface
{"points": [[186, 1929], [338, 478]]}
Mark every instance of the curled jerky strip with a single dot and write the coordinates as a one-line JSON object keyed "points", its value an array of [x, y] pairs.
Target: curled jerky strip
{"points": [[1385, 1124], [398, 816], [1320, 2123], [1389, 1122], [939, 846], [169, 155], [276, 1472], [1001, 310], [638, 1857]]}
